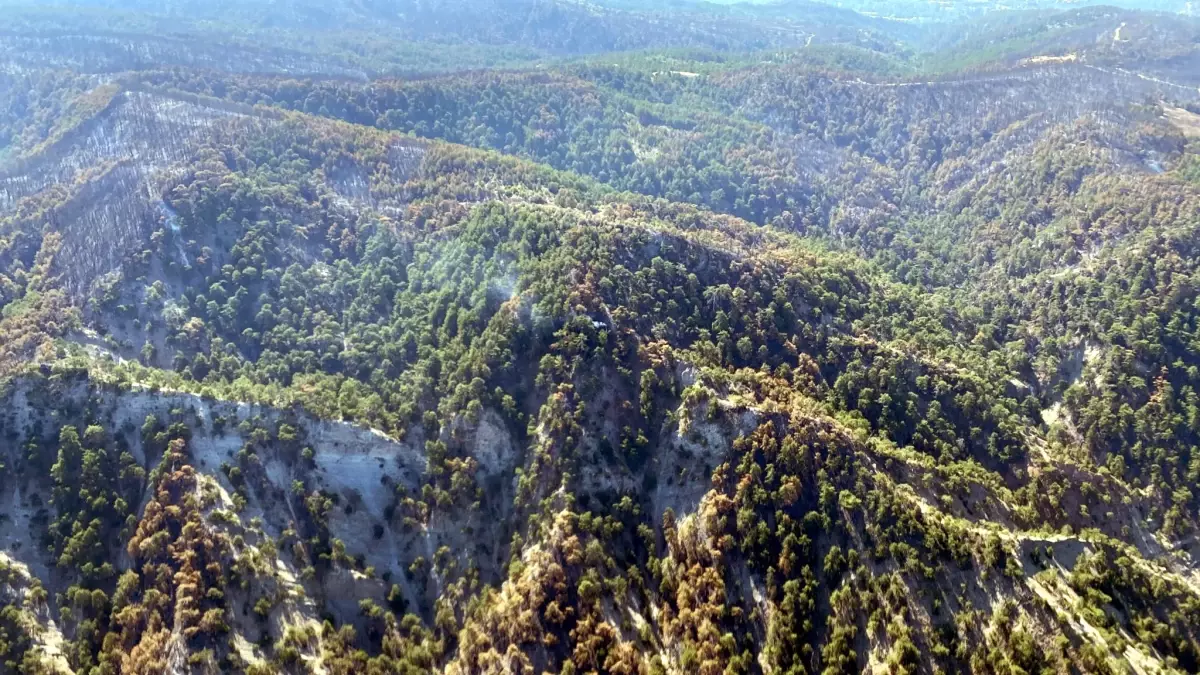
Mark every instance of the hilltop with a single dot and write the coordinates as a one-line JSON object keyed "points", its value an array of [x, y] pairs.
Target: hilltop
{"points": [[736, 358]]}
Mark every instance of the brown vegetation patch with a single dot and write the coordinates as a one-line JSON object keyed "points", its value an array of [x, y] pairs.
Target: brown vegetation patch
{"points": [[1187, 122]]}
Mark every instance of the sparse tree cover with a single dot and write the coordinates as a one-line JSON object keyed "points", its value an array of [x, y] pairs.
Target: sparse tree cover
{"points": [[822, 361]]}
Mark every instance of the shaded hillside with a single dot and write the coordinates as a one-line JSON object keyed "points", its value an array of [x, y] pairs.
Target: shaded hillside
{"points": [[695, 443], [711, 360], [1165, 46], [868, 165], [362, 39]]}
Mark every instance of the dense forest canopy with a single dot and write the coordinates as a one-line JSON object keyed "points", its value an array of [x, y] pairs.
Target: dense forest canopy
{"points": [[541, 336]]}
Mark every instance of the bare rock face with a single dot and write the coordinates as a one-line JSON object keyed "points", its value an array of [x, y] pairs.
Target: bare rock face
{"points": [[363, 470]]}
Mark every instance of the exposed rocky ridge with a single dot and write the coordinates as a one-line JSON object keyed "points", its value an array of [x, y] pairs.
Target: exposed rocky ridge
{"points": [[364, 467], [348, 401]]}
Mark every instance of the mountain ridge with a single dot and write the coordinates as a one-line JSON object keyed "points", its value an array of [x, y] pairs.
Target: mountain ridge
{"points": [[676, 362]]}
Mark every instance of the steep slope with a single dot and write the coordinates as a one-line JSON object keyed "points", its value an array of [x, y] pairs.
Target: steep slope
{"points": [[1161, 45], [827, 154], [770, 368], [616, 434]]}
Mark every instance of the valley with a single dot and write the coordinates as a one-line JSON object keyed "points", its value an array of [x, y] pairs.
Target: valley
{"points": [[548, 337]]}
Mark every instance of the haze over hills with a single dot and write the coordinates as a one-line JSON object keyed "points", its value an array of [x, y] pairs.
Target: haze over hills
{"points": [[363, 39], [933, 10], [525, 336]]}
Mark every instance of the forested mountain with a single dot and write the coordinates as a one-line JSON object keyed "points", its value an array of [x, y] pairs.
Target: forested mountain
{"points": [[1160, 45], [533, 336], [949, 10], [364, 39]]}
